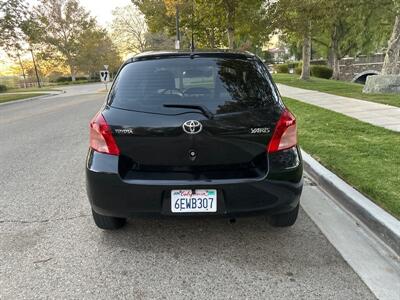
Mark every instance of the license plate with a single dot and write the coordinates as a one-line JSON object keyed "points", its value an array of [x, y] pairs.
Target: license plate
{"points": [[187, 201]]}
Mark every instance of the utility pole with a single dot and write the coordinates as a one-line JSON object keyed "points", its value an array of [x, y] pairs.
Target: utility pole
{"points": [[178, 36], [36, 71], [192, 39]]}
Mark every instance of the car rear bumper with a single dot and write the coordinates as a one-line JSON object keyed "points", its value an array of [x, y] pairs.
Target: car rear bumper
{"points": [[110, 195]]}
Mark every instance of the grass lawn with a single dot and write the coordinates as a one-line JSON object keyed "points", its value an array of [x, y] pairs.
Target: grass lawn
{"points": [[365, 156], [341, 88], [12, 97], [34, 89]]}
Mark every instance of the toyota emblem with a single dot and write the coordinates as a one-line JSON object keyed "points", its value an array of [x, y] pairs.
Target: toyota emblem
{"points": [[192, 127]]}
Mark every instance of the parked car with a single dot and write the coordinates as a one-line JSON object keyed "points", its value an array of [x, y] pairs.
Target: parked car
{"points": [[201, 133]]}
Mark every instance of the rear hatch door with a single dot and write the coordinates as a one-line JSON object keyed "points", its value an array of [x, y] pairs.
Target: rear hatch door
{"points": [[155, 136]]}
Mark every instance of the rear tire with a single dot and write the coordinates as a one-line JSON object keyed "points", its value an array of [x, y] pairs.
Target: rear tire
{"points": [[285, 219], [109, 223]]}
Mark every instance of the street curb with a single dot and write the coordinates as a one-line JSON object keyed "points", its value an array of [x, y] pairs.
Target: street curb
{"points": [[31, 98], [384, 225]]}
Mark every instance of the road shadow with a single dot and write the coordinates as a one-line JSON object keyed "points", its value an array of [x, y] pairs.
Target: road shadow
{"points": [[247, 242]]}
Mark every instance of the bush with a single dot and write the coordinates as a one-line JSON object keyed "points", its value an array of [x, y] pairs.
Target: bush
{"points": [[316, 71], [293, 64], [320, 62], [3, 88], [68, 79], [321, 71], [63, 79], [297, 69], [282, 68]]}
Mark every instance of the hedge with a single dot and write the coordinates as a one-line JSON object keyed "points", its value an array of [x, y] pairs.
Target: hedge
{"points": [[68, 78], [321, 71], [3, 88], [316, 71], [282, 68]]}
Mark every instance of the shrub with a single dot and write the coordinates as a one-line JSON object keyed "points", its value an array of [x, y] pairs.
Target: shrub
{"points": [[3, 88], [321, 71], [316, 71], [297, 69], [293, 64], [63, 79], [282, 68], [320, 62]]}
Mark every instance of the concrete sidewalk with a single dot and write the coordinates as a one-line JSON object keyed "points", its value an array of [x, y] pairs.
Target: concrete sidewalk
{"points": [[374, 113]]}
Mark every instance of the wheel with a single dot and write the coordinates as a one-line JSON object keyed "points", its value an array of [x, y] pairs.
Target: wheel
{"points": [[105, 222], [285, 219]]}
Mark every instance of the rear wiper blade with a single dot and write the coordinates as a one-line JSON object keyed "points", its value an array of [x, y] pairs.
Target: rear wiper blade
{"points": [[202, 108]]}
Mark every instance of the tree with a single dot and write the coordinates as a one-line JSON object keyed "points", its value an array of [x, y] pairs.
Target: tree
{"points": [[215, 23], [390, 66], [50, 63], [62, 23], [160, 17], [210, 24], [251, 25], [353, 26], [156, 16], [300, 18], [97, 49], [230, 7], [128, 29], [13, 14], [306, 53], [158, 41]]}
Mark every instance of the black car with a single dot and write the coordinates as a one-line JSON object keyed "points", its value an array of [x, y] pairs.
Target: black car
{"points": [[199, 133]]}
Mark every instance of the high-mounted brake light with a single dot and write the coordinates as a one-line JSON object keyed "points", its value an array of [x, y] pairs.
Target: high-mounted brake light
{"points": [[101, 138], [285, 134]]}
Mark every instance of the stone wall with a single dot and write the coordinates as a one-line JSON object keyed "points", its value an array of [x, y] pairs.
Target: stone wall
{"points": [[352, 66]]}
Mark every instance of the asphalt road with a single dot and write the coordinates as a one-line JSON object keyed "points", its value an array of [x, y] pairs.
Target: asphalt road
{"points": [[50, 247]]}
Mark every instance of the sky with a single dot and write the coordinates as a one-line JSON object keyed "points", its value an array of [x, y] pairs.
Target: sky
{"points": [[101, 9]]}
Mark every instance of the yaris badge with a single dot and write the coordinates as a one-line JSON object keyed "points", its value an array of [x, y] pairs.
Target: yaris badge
{"points": [[192, 127]]}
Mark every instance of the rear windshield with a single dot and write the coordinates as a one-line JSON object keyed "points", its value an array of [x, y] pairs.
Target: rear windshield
{"points": [[222, 85]]}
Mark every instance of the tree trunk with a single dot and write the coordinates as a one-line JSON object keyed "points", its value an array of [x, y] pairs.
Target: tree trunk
{"points": [[305, 71], [335, 54], [231, 34], [336, 67], [330, 57], [392, 53], [23, 70], [230, 6], [72, 71], [212, 38]]}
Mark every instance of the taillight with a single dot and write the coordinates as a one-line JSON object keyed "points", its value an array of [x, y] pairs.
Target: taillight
{"points": [[101, 138], [285, 134]]}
